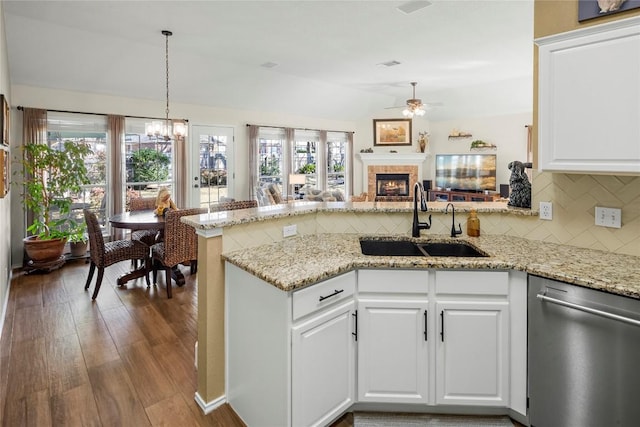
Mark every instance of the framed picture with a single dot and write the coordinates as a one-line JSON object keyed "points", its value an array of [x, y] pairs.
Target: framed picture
{"points": [[5, 172], [589, 9], [391, 131], [4, 120]]}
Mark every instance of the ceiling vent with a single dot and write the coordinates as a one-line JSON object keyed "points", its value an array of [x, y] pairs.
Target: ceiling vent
{"points": [[390, 63], [412, 6]]}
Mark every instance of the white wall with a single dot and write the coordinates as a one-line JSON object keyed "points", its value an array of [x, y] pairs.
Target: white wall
{"points": [[507, 132], [5, 208]]}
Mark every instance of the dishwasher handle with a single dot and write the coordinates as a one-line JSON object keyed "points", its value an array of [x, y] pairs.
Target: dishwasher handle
{"points": [[601, 313]]}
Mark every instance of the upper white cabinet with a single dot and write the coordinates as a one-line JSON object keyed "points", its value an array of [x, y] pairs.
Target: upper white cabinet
{"points": [[589, 99]]}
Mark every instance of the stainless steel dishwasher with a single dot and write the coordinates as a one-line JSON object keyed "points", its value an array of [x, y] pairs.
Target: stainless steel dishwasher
{"points": [[583, 356]]}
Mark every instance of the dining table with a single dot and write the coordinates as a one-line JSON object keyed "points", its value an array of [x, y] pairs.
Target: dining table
{"points": [[142, 220]]}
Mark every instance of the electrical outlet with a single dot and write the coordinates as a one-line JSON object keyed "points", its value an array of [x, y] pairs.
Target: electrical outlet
{"points": [[608, 217], [546, 211], [289, 230]]}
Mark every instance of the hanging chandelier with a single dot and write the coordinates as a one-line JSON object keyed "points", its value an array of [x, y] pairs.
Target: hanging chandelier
{"points": [[165, 129]]}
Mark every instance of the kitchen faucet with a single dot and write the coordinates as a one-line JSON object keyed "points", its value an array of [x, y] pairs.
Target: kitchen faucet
{"points": [[454, 232], [418, 191]]}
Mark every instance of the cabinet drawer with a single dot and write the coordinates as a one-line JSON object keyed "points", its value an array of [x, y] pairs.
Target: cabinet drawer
{"points": [[477, 282], [393, 281], [323, 294]]}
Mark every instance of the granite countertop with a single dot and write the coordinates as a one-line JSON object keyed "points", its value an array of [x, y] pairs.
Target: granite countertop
{"points": [[229, 218], [300, 261]]}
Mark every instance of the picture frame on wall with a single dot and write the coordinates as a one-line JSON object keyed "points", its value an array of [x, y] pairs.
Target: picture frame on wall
{"points": [[390, 132], [4, 121], [589, 9], [5, 172]]}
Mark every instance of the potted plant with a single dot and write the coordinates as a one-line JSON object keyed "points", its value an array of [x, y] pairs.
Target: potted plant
{"points": [[77, 238], [51, 175]]}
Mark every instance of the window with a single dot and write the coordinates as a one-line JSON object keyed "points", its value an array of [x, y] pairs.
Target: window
{"points": [[336, 156], [271, 142], [305, 155], [148, 161], [90, 129], [309, 150]]}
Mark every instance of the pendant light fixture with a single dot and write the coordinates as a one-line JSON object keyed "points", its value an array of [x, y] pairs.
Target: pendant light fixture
{"points": [[166, 130]]}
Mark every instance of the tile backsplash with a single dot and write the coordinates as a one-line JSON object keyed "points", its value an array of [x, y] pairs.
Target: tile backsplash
{"points": [[574, 199]]}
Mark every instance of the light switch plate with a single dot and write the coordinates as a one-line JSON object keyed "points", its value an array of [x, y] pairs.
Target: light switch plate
{"points": [[608, 217]]}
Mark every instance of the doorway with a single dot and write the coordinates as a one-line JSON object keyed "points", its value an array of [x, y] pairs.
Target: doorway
{"points": [[213, 164]]}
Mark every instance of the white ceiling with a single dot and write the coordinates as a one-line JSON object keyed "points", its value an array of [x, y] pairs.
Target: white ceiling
{"points": [[474, 56]]}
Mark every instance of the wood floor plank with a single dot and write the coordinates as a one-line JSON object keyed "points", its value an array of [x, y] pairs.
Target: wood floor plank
{"points": [[122, 326], [115, 396], [83, 308], [30, 410], [178, 362], [28, 323], [28, 291], [153, 325], [149, 378], [28, 358], [54, 292], [97, 344], [58, 320], [170, 412], [66, 366], [75, 407]]}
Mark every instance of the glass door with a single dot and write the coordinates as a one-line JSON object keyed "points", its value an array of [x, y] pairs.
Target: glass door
{"points": [[213, 178]]}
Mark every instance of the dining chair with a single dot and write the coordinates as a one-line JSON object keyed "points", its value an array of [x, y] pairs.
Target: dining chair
{"points": [[148, 237], [104, 254], [180, 245]]}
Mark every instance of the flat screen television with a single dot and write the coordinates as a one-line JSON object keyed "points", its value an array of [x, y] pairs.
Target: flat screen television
{"points": [[466, 172]]}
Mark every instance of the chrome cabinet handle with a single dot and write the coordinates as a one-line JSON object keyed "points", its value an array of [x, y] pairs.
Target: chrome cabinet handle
{"points": [[589, 310], [336, 292]]}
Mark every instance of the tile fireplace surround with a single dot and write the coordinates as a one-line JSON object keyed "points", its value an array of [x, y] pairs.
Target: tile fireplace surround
{"points": [[374, 163]]}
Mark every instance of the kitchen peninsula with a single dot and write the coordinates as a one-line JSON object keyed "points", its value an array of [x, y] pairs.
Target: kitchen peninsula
{"points": [[327, 246]]}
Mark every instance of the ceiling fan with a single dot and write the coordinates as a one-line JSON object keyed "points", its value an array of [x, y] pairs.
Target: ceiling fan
{"points": [[415, 106]]}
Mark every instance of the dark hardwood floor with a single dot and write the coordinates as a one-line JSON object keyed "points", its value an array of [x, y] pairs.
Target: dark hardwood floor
{"points": [[124, 360]]}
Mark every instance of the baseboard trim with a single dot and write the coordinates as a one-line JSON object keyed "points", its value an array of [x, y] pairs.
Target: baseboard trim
{"points": [[208, 407]]}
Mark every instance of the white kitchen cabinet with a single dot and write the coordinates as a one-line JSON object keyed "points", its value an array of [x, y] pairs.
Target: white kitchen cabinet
{"points": [[290, 355], [323, 366], [472, 354], [472, 348], [393, 360], [589, 99]]}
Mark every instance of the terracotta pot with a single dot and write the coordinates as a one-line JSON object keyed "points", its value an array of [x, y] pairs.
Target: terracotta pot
{"points": [[43, 250]]}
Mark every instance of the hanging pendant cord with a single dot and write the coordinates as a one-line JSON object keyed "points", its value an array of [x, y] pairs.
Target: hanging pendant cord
{"points": [[167, 33]]}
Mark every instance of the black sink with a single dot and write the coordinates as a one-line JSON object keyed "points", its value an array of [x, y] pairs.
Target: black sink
{"points": [[454, 249], [390, 248]]}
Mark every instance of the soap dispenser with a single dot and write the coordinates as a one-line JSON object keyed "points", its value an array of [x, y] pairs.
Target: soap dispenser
{"points": [[473, 224]]}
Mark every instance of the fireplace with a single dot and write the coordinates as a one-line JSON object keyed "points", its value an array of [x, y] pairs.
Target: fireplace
{"points": [[392, 184]]}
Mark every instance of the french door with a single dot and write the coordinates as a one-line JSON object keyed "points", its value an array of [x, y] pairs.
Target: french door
{"points": [[212, 164]]}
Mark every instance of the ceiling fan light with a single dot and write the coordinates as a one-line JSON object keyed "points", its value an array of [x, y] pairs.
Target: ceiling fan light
{"points": [[407, 113], [419, 112]]}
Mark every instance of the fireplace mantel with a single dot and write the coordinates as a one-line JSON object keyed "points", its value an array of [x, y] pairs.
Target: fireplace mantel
{"points": [[372, 163], [393, 158]]}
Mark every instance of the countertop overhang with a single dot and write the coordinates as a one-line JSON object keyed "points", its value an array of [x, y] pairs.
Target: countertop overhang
{"points": [[301, 261], [208, 221]]}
